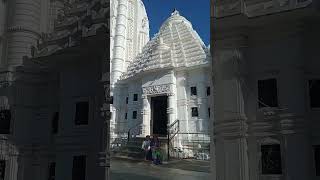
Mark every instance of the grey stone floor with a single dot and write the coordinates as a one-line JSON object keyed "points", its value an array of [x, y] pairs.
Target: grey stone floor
{"points": [[135, 170]]}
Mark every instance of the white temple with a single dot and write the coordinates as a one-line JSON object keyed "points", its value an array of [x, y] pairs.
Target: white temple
{"points": [[164, 88]]}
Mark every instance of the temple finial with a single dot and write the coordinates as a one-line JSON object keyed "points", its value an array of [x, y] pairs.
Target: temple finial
{"points": [[175, 12]]}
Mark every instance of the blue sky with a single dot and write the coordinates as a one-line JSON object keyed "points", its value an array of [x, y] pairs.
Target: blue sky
{"points": [[196, 11]]}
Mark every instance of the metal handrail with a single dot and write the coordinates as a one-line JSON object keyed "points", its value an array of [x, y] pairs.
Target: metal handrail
{"points": [[171, 127], [170, 136], [131, 129], [172, 124]]}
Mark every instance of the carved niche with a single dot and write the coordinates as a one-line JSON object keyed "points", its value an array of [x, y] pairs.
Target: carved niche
{"points": [[157, 89]]}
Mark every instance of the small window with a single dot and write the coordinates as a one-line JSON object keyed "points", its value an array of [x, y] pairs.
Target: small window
{"points": [[267, 93], [194, 112], [135, 97], [208, 91], [193, 91], [55, 123], [126, 116], [271, 159], [134, 115], [111, 100], [317, 159], [82, 113], [127, 100], [52, 171], [209, 112], [79, 168], [2, 169], [314, 93], [5, 121]]}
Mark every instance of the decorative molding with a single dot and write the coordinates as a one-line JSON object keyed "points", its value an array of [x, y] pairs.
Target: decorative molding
{"points": [[77, 20], [252, 8], [170, 110], [157, 89], [145, 111], [5, 84], [222, 9], [268, 141], [22, 29], [144, 97], [4, 103], [232, 127], [170, 94]]}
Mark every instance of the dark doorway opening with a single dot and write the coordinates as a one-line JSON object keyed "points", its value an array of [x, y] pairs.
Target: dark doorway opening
{"points": [[159, 106]]}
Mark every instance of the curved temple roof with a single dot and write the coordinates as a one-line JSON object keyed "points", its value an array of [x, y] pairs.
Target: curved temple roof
{"points": [[175, 45]]}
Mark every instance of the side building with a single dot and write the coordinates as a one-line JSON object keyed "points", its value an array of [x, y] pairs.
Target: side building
{"points": [[54, 68], [266, 79]]}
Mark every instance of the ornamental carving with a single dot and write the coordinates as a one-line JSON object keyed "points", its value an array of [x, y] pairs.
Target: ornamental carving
{"points": [[75, 21], [253, 8], [157, 89]]}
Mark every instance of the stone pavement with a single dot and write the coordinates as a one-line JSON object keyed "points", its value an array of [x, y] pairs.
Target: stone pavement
{"points": [[125, 169]]}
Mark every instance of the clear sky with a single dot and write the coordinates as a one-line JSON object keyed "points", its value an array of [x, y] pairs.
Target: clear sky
{"points": [[196, 11]]}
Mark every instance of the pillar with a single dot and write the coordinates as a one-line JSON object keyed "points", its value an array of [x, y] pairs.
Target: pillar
{"points": [[294, 122], [119, 51], [203, 108], [145, 116], [172, 99], [3, 16], [230, 124], [55, 7], [23, 29], [171, 108], [119, 54], [3, 21], [182, 102], [13, 167]]}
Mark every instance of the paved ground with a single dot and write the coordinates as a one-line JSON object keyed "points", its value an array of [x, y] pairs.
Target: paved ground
{"points": [[122, 169]]}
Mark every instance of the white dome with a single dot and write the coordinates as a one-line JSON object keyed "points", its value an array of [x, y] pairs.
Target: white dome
{"points": [[176, 45]]}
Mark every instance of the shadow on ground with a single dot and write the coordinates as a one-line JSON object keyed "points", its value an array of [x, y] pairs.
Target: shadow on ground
{"points": [[130, 176], [124, 169], [189, 165]]}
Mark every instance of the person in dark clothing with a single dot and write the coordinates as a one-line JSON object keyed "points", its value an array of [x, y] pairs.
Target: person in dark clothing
{"points": [[156, 150]]}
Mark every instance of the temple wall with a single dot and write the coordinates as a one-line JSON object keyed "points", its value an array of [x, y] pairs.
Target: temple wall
{"points": [[287, 55], [180, 109]]}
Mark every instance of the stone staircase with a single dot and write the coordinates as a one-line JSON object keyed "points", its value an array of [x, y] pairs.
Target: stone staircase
{"points": [[132, 149], [200, 149]]}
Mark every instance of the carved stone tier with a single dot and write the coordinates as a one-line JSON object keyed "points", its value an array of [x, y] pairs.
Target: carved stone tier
{"points": [[168, 49], [275, 123], [231, 128]]}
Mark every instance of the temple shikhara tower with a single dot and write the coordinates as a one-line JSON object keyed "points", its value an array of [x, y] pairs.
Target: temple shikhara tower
{"points": [[129, 32], [159, 86]]}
